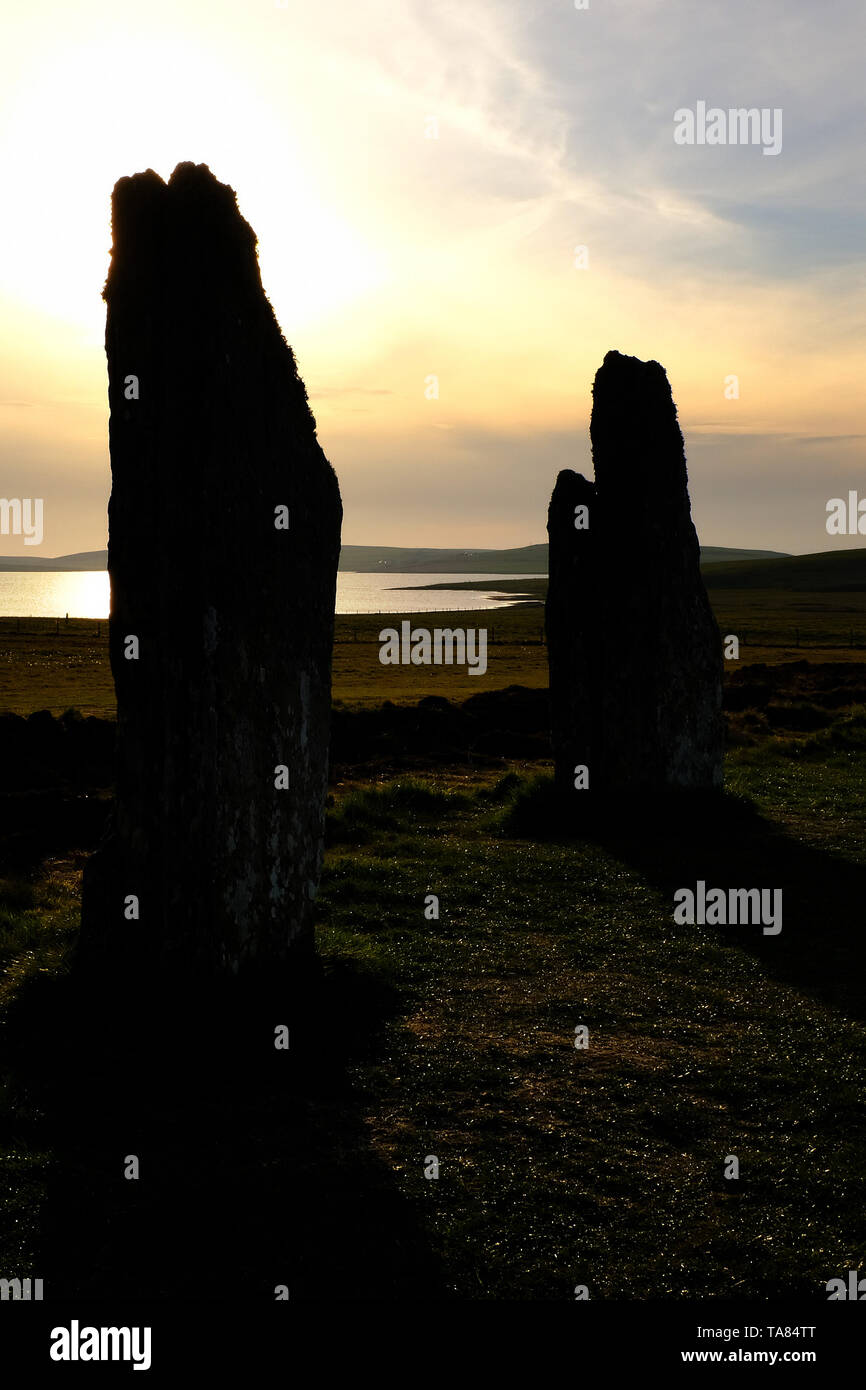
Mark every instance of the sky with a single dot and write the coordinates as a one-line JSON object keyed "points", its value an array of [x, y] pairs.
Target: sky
{"points": [[420, 177]]}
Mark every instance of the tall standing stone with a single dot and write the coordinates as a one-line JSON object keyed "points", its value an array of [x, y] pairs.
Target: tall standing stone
{"points": [[634, 649], [224, 535]]}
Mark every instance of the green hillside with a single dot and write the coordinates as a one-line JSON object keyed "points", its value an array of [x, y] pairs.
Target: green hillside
{"points": [[833, 571], [715, 554]]}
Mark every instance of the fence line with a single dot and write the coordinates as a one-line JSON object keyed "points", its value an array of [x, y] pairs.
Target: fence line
{"points": [[774, 638]]}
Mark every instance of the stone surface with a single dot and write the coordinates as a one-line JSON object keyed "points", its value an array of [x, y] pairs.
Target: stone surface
{"points": [[234, 617], [635, 653]]}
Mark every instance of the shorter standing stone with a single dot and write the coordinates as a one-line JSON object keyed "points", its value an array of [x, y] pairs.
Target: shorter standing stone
{"points": [[634, 649]]}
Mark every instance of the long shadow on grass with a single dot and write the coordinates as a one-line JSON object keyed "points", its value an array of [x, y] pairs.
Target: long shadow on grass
{"points": [[724, 841], [255, 1167]]}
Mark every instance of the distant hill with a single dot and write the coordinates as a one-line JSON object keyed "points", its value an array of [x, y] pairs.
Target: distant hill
{"points": [[83, 560], [714, 554], [526, 559], [829, 571], [375, 559], [380, 559]]}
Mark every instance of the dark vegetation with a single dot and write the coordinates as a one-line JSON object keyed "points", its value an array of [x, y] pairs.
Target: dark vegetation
{"points": [[455, 1036], [827, 571]]}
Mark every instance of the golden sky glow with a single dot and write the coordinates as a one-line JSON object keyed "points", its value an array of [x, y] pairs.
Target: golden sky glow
{"points": [[389, 256]]}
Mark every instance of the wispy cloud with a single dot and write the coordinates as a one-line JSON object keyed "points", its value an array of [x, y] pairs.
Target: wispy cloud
{"points": [[389, 256]]}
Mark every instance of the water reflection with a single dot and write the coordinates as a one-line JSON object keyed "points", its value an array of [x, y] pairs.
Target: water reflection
{"points": [[85, 593]]}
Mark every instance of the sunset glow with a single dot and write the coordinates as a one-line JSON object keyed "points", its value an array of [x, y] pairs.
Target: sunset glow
{"points": [[418, 215]]}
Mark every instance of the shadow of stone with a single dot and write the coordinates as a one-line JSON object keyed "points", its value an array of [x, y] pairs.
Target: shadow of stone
{"points": [[727, 843], [255, 1166]]}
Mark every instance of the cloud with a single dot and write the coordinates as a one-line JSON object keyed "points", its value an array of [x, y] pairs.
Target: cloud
{"points": [[390, 256], [827, 438]]}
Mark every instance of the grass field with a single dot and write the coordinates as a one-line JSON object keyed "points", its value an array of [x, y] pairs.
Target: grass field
{"points": [[605, 1166], [455, 1036], [45, 664]]}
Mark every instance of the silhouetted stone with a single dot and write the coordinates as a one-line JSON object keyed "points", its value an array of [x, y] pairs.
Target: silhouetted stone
{"points": [[210, 434], [635, 653]]}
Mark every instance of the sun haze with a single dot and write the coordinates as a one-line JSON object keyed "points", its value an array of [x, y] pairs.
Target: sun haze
{"points": [[460, 210]]}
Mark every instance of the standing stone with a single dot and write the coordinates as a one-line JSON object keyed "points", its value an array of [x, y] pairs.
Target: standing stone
{"points": [[634, 649], [224, 535]]}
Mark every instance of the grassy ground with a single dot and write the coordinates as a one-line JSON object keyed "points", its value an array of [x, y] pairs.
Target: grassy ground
{"points": [[49, 665], [605, 1166], [46, 665], [454, 1037], [558, 1166], [765, 619], [39, 913]]}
